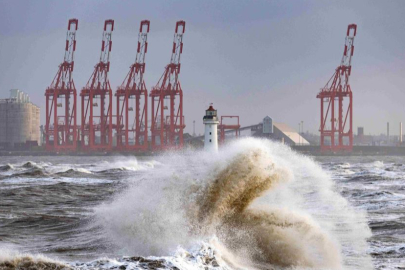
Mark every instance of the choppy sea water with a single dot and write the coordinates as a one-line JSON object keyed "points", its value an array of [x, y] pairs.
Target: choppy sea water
{"points": [[254, 205]]}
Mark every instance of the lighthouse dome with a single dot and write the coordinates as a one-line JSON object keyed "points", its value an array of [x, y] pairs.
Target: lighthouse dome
{"points": [[210, 113]]}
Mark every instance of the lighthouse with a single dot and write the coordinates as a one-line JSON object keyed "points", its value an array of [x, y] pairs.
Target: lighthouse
{"points": [[211, 127]]}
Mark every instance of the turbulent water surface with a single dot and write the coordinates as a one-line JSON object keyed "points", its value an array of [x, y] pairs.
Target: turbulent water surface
{"points": [[254, 205]]}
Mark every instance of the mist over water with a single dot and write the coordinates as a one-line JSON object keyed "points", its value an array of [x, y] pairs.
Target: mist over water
{"points": [[257, 203]]}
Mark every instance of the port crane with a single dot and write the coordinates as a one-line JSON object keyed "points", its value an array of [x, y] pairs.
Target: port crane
{"points": [[61, 126], [223, 128], [167, 95], [96, 100], [132, 100], [336, 99]]}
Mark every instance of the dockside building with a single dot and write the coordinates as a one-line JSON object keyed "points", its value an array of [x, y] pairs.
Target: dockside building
{"points": [[19, 122]]}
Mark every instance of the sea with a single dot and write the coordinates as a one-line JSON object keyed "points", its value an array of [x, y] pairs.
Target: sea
{"points": [[255, 204]]}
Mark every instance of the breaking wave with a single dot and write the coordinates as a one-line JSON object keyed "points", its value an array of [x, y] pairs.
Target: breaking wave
{"points": [[31, 173], [31, 165], [104, 169], [11, 260], [74, 173], [259, 204], [5, 168]]}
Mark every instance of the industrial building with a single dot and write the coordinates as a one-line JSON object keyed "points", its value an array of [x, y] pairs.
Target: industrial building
{"points": [[19, 122], [361, 139], [275, 131], [287, 134]]}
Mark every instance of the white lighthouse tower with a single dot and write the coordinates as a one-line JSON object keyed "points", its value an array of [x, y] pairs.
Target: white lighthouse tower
{"points": [[211, 127]]}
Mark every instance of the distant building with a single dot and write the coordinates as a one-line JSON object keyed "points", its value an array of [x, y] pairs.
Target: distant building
{"points": [[19, 122], [285, 133], [361, 139], [275, 131], [267, 125]]}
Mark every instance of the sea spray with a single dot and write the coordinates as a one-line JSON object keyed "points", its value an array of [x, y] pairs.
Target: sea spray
{"points": [[267, 236], [266, 206]]}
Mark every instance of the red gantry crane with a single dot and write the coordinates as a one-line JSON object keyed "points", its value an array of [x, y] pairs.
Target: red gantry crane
{"points": [[167, 128], [337, 102], [61, 126], [132, 121], [224, 127], [96, 128]]}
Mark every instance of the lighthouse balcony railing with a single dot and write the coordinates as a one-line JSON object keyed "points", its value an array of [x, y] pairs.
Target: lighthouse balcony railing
{"points": [[210, 117]]}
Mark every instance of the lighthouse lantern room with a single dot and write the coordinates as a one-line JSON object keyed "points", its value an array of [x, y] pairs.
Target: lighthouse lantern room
{"points": [[211, 129]]}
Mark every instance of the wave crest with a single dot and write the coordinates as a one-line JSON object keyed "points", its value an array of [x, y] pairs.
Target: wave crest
{"points": [[10, 260], [7, 167], [266, 236]]}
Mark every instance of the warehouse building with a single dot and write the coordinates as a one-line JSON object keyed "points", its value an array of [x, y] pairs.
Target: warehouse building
{"points": [[19, 122], [278, 132]]}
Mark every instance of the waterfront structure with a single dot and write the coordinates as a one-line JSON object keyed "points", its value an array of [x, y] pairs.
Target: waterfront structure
{"points": [[228, 127], [61, 97], [283, 132], [267, 125], [96, 99], [279, 132], [19, 122], [132, 122], [211, 129], [166, 100], [337, 103]]}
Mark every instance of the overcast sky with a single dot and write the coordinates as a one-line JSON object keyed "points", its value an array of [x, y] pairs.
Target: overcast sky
{"points": [[250, 58]]}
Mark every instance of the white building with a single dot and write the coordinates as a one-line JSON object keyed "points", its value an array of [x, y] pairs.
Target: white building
{"points": [[211, 129]]}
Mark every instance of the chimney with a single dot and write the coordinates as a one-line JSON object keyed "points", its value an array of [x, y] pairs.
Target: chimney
{"points": [[388, 132]]}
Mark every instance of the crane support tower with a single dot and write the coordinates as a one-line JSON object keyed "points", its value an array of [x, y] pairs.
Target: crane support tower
{"points": [[167, 95], [96, 127], [61, 125], [223, 127], [132, 119], [337, 103]]}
